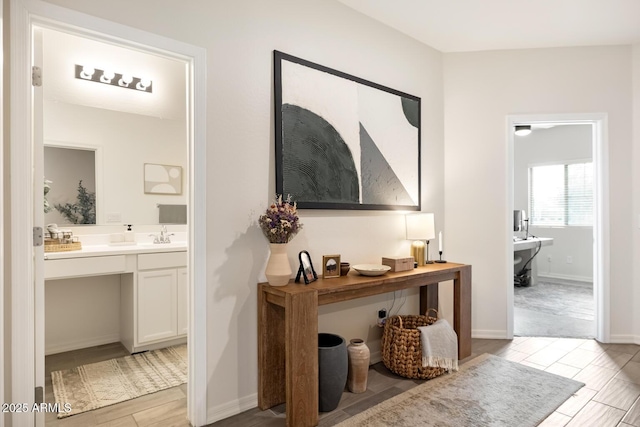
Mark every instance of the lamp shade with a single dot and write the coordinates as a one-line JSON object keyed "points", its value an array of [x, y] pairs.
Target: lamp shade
{"points": [[420, 226]]}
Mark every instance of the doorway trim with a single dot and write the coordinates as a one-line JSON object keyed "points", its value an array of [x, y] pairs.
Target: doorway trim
{"points": [[601, 230], [25, 14]]}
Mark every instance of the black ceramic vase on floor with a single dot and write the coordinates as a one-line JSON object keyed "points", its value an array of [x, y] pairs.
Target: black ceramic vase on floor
{"points": [[332, 370]]}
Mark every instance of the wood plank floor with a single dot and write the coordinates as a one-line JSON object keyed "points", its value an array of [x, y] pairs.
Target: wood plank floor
{"points": [[611, 396]]}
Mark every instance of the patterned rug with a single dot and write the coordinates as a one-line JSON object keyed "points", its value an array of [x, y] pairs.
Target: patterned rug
{"points": [[486, 391], [101, 384]]}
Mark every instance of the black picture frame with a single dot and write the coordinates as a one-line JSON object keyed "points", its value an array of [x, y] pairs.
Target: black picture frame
{"points": [[305, 270], [343, 142]]}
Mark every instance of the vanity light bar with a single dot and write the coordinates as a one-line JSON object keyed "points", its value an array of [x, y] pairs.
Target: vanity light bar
{"points": [[84, 72]]}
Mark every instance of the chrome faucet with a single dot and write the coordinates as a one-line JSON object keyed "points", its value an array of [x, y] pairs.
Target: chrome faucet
{"points": [[163, 237]]}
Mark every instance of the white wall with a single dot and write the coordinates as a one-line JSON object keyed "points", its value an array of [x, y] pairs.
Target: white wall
{"points": [[128, 141], [545, 146], [481, 89], [240, 38], [81, 312]]}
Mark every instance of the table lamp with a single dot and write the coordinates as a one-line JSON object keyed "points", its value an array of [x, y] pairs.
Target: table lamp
{"points": [[420, 228]]}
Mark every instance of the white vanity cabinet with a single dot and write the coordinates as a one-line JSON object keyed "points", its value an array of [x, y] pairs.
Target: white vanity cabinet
{"points": [[153, 296], [158, 315], [183, 301]]}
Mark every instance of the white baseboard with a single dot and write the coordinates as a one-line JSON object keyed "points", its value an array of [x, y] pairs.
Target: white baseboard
{"points": [[229, 409], [489, 334], [624, 339], [565, 277], [76, 345]]}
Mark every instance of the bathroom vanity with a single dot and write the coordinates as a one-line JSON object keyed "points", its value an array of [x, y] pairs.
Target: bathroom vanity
{"points": [[153, 292]]}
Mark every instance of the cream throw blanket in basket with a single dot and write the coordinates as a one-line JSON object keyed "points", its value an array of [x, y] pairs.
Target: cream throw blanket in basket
{"points": [[439, 346]]}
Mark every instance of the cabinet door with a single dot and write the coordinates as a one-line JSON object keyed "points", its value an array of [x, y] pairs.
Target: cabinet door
{"points": [[183, 301], [157, 307]]}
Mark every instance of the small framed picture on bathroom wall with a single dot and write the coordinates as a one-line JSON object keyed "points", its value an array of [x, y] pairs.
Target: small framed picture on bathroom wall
{"points": [[162, 179], [330, 266]]}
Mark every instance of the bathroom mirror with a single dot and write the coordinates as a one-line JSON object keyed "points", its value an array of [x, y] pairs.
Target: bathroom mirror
{"points": [[71, 181]]}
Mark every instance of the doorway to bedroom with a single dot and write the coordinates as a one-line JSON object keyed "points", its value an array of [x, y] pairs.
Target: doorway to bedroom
{"points": [[554, 203]]}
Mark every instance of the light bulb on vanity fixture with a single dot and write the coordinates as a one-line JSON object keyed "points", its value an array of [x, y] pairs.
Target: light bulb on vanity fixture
{"points": [[87, 72], [420, 229], [107, 76], [125, 80], [143, 84]]}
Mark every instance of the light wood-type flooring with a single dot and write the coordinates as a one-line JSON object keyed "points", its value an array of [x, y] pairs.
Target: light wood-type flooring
{"points": [[610, 397]]}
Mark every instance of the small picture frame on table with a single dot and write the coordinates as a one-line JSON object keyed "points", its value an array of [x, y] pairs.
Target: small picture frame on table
{"points": [[306, 270], [330, 266]]}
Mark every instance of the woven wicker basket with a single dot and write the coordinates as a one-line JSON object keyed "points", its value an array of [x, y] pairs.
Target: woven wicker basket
{"points": [[53, 246], [401, 348]]}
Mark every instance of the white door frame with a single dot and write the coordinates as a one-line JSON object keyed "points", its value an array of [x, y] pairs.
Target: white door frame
{"points": [[2, 224], [601, 254], [24, 15]]}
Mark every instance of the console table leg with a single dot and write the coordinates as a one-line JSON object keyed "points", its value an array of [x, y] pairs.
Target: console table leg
{"points": [[462, 311], [271, 353], [428, 297], [301, 354]]}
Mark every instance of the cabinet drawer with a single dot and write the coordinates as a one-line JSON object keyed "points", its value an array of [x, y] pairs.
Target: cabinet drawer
{"points": [[90, 266], [162, 260]]}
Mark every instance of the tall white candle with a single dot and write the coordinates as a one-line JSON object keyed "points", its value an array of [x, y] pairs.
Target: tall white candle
{"points": [[440, 242]]}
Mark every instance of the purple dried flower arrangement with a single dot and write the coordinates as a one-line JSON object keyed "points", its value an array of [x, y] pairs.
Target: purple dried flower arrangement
{"points": [[280, 222]]}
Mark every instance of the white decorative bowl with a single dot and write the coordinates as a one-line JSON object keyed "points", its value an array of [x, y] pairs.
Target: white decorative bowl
{"points": [[371, 269]]}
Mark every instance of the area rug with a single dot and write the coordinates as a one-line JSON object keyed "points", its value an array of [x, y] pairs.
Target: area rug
{"points": [[486, 391], [101, 384]]}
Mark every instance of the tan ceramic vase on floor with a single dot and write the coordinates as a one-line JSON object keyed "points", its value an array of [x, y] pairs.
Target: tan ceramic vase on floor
{"points": [[358, 366], [278, 270]]}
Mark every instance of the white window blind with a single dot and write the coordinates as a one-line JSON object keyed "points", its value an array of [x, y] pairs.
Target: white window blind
{"points": [[561, 195]]}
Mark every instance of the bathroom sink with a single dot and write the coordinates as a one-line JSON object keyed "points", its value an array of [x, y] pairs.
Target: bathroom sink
{"points": [[164, 245], [122, 244]]}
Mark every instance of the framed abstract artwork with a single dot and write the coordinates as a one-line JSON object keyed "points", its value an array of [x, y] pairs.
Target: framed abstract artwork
{"points": [[162, 179], [343, 142]]}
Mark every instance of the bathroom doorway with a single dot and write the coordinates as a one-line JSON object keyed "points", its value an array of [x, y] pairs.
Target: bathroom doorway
{"points": [[563, 290], [27, 318], [108, 110]]}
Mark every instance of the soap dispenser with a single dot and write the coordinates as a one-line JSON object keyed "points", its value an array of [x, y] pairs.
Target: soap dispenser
{"points": [[129, 235]]}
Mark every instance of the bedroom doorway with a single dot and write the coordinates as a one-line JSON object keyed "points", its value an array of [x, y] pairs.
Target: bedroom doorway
{"points": [[553, 196], [594, 263]]}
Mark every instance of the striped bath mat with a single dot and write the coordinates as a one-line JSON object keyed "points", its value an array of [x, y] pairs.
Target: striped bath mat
{"points": [[101, 384]]}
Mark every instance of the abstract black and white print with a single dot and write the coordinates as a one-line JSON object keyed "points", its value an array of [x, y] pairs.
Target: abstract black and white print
{"points": [[343, 142]]}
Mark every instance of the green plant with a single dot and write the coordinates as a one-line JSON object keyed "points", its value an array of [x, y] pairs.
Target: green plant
{"points": [[82, 212]]}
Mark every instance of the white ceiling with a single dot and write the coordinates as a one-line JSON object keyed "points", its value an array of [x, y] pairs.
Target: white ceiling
{"points": [[473, 25]]}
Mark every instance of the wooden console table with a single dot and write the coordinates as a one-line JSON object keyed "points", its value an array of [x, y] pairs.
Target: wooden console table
{"points": [[288, 328]]}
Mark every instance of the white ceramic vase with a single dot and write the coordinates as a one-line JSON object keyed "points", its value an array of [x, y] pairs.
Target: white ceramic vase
{"points": [[359, 357], [278, 270]]}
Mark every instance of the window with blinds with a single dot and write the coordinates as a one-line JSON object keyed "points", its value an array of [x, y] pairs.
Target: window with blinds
{"points": [[561, 195]]}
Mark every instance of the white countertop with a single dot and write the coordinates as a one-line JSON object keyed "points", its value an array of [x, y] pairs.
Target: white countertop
{"points": [[532, 243], [118, 249]]}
